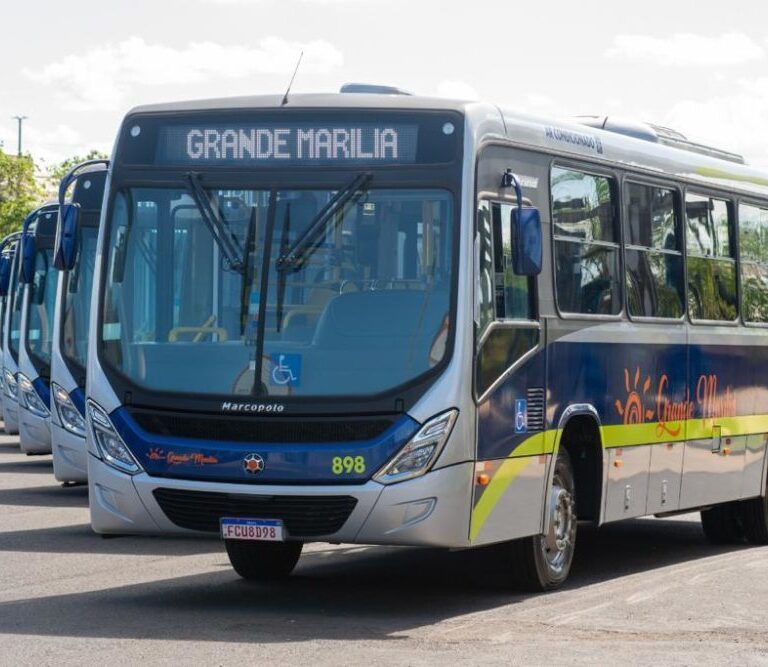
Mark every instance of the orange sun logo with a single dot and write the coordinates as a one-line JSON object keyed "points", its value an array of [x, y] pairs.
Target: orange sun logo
{"points": [[633, 411]]}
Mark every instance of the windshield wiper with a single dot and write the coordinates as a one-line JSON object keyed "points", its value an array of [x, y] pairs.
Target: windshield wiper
{"points": [[281, 275], [292, 258], [216, 224]]}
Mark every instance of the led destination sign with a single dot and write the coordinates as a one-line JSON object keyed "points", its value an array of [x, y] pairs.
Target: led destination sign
{"points": [[288, 144]]}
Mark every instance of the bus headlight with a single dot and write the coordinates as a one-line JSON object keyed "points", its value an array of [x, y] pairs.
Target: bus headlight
{"points": [[421, 452], [110, 445], [29, 398], [69, 415], [11, 388]]}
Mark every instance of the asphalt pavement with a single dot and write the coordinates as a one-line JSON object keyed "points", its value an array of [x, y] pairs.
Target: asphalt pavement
{"points": [[650, 590]]}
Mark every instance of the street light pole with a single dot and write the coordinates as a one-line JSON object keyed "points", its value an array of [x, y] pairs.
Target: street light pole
{"points": [[20, 120]]}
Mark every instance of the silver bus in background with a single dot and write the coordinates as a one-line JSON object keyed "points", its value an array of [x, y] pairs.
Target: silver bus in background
{"points": [[75, 257]]}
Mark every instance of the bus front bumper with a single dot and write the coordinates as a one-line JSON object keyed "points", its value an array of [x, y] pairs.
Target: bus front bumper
{"points": [[10, 415], [34, 432], [70, 458], [432, 510]]}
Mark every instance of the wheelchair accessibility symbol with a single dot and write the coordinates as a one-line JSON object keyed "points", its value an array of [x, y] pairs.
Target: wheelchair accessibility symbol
{"points": [[521, 415], [286, 370]]}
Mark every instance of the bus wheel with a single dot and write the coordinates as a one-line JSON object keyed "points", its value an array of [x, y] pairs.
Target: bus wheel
{"points": [[754, 519], [542, 562], [263, 561], [721, 524]]}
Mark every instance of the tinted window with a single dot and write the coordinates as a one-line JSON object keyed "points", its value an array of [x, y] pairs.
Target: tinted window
{"points": [[586, 248], [587, 278], [651, 221], [709, 226], [753, 249], [711, 268], [654, 263], [654, 284], [711, 289], [582, 206]]}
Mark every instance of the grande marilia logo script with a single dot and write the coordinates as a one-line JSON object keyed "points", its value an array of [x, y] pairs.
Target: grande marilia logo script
{"points": [[668, 411]]}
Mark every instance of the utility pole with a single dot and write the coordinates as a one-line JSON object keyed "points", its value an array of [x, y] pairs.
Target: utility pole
{"points": [[20, 120]]}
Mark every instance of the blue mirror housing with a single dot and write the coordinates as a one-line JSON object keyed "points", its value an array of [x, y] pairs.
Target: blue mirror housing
{"points": [[5, 273], [526, 232], [27, 252], [67, 236]]}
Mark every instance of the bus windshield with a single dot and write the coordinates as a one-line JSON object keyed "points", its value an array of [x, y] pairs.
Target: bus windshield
{"points": [[42, 301], [77, 303], [365, 310]]}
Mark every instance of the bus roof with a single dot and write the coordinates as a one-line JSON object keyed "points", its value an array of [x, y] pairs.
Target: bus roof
{"points": [[565, 138]]}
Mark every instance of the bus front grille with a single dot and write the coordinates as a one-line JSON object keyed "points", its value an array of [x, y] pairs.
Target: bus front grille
{"points": [[275, 429], [303, 516]]}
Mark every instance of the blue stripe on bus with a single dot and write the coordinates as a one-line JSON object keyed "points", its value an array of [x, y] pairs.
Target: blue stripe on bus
{"points": [[43, 389], [77, 395], [629, 383], [298, 463]]}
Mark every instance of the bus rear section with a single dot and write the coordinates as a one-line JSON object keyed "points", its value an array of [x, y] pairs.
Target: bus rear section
{"points": [[75, 258]]}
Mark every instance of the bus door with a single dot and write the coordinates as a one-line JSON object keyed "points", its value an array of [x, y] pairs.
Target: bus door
{"points": [[509, 360]]}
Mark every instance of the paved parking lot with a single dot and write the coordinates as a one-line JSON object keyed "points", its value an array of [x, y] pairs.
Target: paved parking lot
{"points": [[647, 590]]}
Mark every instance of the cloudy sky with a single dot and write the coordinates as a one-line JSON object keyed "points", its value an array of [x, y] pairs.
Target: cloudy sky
{"points": [[74, 68]]}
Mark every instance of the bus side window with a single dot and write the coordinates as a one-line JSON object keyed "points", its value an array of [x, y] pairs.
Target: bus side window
{"points": [[654, 259], [753, 256], [586, 243], [711, 259]]}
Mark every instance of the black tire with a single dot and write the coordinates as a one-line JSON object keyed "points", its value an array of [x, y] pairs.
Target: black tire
{"points": [[263, 561], [754, 519], [722, 524], [527, 562]]}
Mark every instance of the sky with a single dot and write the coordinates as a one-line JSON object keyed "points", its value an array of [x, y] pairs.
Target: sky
{"points": [[76, 67]]}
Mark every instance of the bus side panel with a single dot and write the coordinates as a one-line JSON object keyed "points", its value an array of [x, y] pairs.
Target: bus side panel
{"points": [[754, 465], [721, 383], [513, 453], [627, 487]]}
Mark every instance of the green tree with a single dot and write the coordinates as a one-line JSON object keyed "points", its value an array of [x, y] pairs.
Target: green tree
{"points": [[55, 174], [19, 191]]}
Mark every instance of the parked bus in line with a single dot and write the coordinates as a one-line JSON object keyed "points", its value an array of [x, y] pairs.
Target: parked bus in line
{"points": [[7, 250], [386, 319], [12, 317], [72, 313], [37, 297]]}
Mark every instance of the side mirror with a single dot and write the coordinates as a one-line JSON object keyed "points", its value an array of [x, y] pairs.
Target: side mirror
{"points": [[67, 236], [526, 233], [5, 274], [27, 253]]}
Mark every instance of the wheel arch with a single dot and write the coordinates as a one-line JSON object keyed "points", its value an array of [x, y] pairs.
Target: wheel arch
{"points": [[578, 431]]}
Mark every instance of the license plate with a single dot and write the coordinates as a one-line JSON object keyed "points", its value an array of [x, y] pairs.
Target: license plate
{"points": [[261, 530]]}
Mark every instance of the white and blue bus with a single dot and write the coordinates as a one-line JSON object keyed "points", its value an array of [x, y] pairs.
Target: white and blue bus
{"points": [[7, 251], [386, 319], [36, 299], [75, 257], [11, 331]]}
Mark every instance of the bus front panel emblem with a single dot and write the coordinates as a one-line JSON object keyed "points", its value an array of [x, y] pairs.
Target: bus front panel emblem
{"points": [[253, 464]]}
